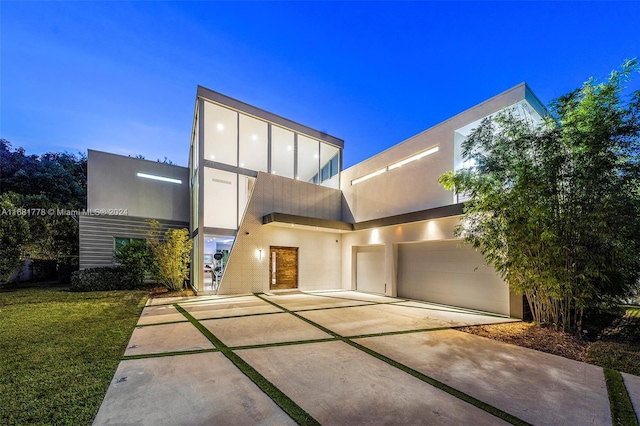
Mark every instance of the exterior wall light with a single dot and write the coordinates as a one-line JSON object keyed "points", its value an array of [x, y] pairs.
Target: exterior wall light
{"points": [[161, 178], [413, 158], [369, 176]]}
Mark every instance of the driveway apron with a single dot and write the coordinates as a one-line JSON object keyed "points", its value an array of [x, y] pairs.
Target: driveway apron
{"points": [[338, 358]]}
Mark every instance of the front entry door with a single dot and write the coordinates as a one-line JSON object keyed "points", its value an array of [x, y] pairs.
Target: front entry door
{"points": [[283, 267]]}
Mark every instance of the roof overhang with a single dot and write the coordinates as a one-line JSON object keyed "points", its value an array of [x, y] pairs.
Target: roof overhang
{"points": [[325, 225], [305, 222]]}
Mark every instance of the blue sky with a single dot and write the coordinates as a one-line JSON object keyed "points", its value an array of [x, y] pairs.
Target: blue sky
{"points": [[122, 76]]}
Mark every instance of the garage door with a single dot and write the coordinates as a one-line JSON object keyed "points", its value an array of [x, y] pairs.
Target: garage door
{"points": [[449, 273], [370, 269]]}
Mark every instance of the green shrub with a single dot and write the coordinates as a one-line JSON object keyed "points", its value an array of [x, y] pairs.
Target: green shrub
{"points": [[135, 260], [101, 279], [66, 267]]}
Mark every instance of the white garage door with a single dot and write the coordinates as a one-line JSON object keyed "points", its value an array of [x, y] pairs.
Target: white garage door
{"points": [[450, 273], [370, 269]]}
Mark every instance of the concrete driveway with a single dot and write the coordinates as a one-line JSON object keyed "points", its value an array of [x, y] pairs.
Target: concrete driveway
{"points": [[339, 358]]}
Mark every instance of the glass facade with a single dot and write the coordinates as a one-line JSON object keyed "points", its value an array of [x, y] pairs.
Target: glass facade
{"points": [[329, 165], [282, 152], [237, 146], [308, 159], [220, 134], [245, 186], [253, 144], [220, 199], [215, 256]]}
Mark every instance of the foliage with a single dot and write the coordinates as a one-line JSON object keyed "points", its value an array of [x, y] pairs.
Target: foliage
{"points": [[172, 255], [102, 279], [135, 259], [43, 185], [555, 208], [13, 231], [60, 177], [60, 351]]}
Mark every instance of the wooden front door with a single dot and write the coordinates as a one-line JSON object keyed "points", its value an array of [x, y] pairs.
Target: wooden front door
{"points": [[283, 267]]}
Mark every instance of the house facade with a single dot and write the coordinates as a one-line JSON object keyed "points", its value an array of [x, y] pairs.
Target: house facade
{"points": [[269, 208]]}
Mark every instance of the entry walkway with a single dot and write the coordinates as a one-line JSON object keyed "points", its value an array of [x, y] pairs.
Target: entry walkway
{"points": [[339, 358]]}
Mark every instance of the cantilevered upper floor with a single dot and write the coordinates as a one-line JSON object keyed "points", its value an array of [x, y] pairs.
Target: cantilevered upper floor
{"points": [[403, 178]]}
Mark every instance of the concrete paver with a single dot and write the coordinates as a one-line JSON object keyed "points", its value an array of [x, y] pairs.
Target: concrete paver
{"points": [[159, 315], [246, 305], [198, 389], [340, 385], [263, 329], [334, 381], [633, 388], [165, 338], [296, 302], [539, 388], [354, 321]]}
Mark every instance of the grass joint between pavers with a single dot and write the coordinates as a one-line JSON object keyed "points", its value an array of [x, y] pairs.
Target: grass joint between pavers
{"points": [[622, 412], [433, 382], [296, 412], [166, 354]]}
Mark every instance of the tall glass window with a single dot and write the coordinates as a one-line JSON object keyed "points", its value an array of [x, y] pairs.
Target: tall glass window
{"points": [[220, 134], [195, 144], [220, 199], [329, 165], [253, 144], [308, 159], [245, 186], [195, 265], [282, 152], [195, 189]]}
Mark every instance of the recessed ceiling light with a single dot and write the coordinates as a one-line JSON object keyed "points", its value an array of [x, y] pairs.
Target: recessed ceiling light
{"points": [[220, 126], [254, 137], [315, 156], [213, 157], [289, 148]]}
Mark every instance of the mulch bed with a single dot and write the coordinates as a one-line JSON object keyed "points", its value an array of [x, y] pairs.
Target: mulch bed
{"points": [[532, 336], [160, 292]]}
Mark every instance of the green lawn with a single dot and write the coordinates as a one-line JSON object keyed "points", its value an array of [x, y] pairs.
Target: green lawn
{"points": [[59, 351]]}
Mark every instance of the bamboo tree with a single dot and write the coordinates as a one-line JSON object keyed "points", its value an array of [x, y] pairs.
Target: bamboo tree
{"points": [[555, 207], [172, 255]]}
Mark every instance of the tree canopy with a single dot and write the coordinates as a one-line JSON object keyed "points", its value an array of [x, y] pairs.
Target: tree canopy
{"points": [[555, 206], [36, 184]]}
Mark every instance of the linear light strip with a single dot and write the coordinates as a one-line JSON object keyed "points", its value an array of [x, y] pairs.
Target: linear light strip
{"points": [[161, 178], [396, 165], [369, 176], [413, 158]]}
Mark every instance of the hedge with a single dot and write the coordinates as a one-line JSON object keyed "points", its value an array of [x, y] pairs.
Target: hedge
{"points": [[101, 279]]}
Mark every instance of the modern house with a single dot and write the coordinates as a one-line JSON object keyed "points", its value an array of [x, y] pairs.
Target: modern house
{"points": [[269, 207]]}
